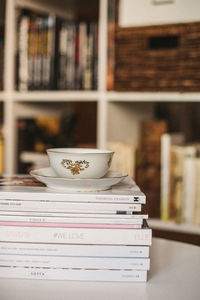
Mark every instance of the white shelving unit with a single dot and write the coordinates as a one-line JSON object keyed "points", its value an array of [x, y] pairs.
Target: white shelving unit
{"points": [[118, 113], [14, 98], [111, 106]]}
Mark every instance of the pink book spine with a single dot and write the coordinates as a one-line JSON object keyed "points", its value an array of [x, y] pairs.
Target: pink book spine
{"points": [[71, 225]]}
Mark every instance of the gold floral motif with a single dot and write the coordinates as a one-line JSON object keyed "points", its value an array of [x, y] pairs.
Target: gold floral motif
{"points": [[75, 167]]}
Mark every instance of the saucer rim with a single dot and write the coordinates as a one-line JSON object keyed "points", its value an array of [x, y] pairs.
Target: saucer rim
{"points": [[34, 173]]}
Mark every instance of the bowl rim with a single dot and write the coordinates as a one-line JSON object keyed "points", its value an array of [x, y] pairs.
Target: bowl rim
{"points": [[82, 151]]}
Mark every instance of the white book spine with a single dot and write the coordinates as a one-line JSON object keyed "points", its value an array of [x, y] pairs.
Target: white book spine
{"points": [[189, 189], [19, 193], [71, 274], [76, 235], [23, 53], [74, 215], [74, 250], [23, 205], [68, 220], [165, 175], [73, 262], [196, 220]]}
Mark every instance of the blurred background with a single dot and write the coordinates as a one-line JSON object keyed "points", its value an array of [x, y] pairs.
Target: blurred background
{"points": [[116, 74]]}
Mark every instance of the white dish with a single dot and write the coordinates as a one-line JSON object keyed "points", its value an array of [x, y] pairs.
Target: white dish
{"points": [[49, 177]]}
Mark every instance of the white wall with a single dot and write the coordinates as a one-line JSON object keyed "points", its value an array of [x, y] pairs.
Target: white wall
{"points": [[152, 12]]}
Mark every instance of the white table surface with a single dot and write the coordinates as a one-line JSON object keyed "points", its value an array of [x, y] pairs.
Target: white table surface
{"points": [[174, 275]]}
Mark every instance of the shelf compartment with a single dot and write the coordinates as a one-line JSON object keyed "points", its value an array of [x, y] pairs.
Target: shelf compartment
{"points": [[72, 124]]}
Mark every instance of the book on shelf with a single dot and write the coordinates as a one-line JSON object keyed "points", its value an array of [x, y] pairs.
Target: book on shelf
{"points": [[197, 192], [167, 140], [148, 162], [112, 24], [189, 184], [54, 53], [176, 183], [2, 37], [1, 150], [184, 183]]}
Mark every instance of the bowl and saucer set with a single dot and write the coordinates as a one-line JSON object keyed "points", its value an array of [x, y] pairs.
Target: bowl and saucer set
{"points": [[79, 170]]}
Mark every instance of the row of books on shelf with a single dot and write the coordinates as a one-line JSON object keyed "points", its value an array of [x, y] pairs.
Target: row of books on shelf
{"points": [[180, 177], [167, 168], [97, 236], [55, 54]]}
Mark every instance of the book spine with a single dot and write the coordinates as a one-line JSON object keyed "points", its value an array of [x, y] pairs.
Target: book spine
{"points": [[138, 197], [196, 219], [62, 56], [31, 47], [74, 250], [165, 176], [70, 274], [76, 235], [38, 56], [66, 206], [74, 220], [95, 56], [75, 215], [87, 76], [74, 262], [188, 208], [82, 53], [176, 183], [70, 72], [70, 225], [1, 151], [23, 53]]}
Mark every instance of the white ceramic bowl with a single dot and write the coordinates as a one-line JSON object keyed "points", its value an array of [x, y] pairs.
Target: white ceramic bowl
{"points": [[80, 162]]}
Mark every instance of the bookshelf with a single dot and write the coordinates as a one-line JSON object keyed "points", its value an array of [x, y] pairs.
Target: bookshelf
{"points": [[118, 114]]}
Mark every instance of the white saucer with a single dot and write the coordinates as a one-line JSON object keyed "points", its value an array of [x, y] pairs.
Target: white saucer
{"points": [[48, 177]]}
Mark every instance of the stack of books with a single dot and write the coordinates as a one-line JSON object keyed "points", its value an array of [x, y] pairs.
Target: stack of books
{"points": [[97, 236]]}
